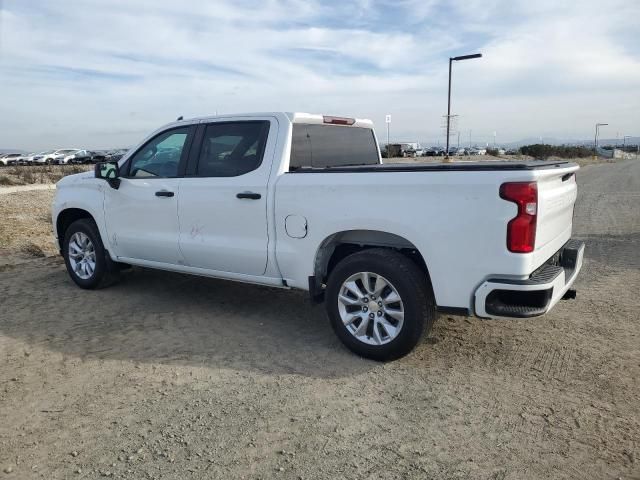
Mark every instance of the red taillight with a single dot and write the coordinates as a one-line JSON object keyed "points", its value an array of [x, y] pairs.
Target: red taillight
{"points": [[338, 120], [521, 230]]}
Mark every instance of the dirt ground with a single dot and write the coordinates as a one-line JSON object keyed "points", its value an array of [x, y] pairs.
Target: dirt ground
{"points": [[166, 376]]}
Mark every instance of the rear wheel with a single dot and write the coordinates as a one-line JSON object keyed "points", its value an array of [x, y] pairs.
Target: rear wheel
{"points": [[85, 256], [379, 303]]}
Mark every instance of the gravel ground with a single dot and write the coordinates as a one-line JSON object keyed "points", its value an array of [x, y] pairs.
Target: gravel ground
{"points": [[173, 377]]}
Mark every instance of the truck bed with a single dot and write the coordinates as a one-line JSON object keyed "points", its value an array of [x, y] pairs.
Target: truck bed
{"points": [[438, 167]]}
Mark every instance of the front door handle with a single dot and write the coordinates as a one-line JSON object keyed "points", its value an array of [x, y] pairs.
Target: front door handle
{"points": [[164, 193], [249, 195]]}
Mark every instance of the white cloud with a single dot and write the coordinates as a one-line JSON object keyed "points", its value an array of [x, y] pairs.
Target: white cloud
{"points": [[102, 73]]}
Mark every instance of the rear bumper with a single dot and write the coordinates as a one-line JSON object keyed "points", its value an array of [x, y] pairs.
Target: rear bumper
{"points": [[533, 296]]}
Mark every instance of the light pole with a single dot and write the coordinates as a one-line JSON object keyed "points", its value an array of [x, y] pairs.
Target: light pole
{"points": [[387, 120], [624, 141], [595, 141], [451, 60]]}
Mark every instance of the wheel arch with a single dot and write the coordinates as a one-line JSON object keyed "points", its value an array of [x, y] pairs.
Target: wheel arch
{"points": [[66, 217], [339, 245]]}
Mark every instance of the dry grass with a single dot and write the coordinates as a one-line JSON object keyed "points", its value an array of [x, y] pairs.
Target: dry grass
{"points": [[32, 250], [28, 175], [6, 180], [26, 223]]}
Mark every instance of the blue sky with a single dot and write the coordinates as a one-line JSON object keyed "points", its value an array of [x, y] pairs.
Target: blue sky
{"points": [[102, 73]]}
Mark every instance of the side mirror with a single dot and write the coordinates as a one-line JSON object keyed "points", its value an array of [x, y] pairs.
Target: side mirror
{"points": [[108, 171]]}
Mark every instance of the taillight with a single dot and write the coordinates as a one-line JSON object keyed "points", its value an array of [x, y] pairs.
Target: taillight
{"points": [[521, 230]]}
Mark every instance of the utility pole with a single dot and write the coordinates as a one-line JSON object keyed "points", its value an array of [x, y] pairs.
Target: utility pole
{"points": [[451, 60], [388, 122], [595, 141]]}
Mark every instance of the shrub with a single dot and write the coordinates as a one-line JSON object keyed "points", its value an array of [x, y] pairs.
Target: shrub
{"points": [[543, 151], [26, 175], [5, 180], [32, 250]]}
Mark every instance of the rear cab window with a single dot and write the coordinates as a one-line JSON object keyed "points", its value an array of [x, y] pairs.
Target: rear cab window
{"points": [[322, 146]]}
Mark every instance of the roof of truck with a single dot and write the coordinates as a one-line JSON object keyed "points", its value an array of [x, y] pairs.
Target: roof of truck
{"points": [[293, 117]]}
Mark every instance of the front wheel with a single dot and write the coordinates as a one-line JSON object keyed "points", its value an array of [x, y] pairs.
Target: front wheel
{"points": [[379, 303], [85, 256]]}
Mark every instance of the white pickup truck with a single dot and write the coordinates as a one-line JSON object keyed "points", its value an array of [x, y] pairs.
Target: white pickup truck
{"points": [[294, 200]]}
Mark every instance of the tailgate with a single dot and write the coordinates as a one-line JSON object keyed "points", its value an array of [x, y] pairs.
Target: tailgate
{"points": [[557, 191]]}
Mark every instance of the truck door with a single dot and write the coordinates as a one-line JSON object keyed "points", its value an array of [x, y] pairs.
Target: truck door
{"points": [[223, 197], [142, 214]]}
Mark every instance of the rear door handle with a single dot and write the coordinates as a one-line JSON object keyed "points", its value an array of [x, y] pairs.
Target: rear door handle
{"points": [[164, 193], [249, 195]]}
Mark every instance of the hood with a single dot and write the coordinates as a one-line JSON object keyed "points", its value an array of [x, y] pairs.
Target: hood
{"points": [[75, 178]]}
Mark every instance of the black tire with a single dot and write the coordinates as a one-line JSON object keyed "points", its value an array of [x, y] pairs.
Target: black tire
{"points": [[411, 283], [106, 272]]}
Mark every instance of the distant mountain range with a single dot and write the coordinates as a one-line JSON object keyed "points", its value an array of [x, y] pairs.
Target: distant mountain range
{"points": [[556, 141], [549, 141]]}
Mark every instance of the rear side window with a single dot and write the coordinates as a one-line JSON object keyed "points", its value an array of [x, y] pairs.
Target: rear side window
{"points": [[232, 149], [332, 146]]}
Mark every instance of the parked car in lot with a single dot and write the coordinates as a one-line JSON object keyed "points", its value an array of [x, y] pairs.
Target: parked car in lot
{"points": [[57, 157], [24, 159], [98, 156], [40, 158], [476, 151], [433, 152], [115, 155], [29, 159], [78, 157], [429, 152], [384, 246], [9, 159]]}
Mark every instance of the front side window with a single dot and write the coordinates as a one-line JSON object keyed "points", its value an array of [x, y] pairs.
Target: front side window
{"points": [[232, 149], [160, 157]]}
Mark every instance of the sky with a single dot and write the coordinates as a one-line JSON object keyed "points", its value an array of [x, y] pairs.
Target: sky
{"points": [[105, 73]]}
